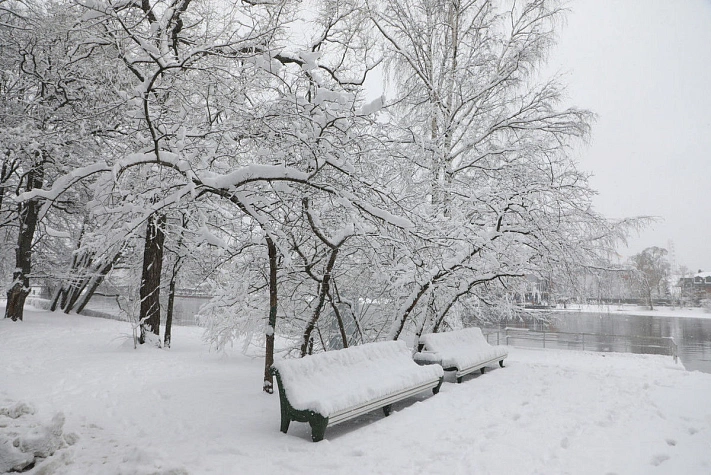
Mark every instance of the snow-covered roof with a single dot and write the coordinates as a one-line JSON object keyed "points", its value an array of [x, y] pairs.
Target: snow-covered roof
{"points": [[680, 278]]}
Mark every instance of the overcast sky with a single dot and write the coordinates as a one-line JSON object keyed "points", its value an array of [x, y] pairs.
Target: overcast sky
{"points": [[644, 66]]}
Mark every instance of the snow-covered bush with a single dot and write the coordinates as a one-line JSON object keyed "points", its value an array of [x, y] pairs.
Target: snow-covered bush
{"points": [[25, 441]]}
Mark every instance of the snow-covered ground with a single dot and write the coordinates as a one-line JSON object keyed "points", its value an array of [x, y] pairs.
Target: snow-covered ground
{"points": [[74, 386]]}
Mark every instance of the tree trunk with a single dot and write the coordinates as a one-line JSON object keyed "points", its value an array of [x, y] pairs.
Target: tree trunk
{"points": [[150, 279], [319, 306], [173, 284], [59, 294], [269, 358], [169, 310], [336, 297], [28, 213], [399, 324], [16, 297], [80, 277], [339, 320], [4, 175], [95, 282]]}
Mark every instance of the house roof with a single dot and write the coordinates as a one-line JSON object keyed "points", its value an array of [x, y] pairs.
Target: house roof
{"points": [[690, 279]]}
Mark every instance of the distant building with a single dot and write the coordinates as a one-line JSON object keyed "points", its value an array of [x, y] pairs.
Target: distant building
{"points": [[696, 287], [534, 292]]}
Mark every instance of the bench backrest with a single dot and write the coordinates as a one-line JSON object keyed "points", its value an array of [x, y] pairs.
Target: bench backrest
{"points": [[467, 338], [335, 380]]}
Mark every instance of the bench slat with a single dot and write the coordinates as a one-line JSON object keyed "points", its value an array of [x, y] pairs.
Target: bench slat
{"points": [[386, 401]]}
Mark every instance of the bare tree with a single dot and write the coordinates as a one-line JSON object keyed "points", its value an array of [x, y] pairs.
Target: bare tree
{"points": [[488, 148], [652, 272]]}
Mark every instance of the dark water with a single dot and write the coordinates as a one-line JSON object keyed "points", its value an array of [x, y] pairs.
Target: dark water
{"points": [[692, 335]]}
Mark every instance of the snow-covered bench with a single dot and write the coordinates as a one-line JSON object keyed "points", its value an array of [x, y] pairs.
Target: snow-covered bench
{"points": [[328, 388], [463, 351]]}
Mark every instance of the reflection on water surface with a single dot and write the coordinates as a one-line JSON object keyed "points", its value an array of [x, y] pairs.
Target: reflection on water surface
{"points": [[692, 335]]}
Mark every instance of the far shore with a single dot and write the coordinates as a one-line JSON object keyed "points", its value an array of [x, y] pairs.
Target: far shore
{"points": [[661, 311]]}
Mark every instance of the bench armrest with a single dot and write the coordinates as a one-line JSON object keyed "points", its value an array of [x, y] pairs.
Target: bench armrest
{"points": [[427, 357]]}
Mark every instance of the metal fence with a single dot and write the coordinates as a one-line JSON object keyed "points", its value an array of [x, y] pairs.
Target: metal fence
{"points": [[585, 341]]}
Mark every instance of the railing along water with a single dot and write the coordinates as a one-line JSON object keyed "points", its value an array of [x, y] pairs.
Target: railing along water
{"points": [[588, 341]]}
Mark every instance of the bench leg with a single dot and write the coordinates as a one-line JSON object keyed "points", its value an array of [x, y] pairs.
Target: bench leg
{"points": [[387, 409], [285, 423], [459, 379], [483, 370], [501, 363], [435, 390], [318, 425]]}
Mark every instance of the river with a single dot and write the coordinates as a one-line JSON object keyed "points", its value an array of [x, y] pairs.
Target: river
{"points": [[692, 335]]}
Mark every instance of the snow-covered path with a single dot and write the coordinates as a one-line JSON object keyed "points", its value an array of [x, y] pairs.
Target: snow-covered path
{"points": [[186, 410]]}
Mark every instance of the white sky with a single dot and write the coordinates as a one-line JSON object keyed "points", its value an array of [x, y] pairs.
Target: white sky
{"points": [[644, 66]]}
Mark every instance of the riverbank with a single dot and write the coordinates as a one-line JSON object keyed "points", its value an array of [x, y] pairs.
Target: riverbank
{"points": [[672, 312], [189, 410]]}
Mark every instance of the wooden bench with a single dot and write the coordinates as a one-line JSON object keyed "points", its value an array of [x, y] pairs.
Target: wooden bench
{"points": [[332, 387], [463, 351]]}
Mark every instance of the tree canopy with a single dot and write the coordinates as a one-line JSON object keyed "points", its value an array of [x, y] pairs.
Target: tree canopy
{"points": [[238, 134]]}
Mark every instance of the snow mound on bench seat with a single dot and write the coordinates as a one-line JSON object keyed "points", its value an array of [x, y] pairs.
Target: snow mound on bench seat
{"points": [[462, 348], [330, 382]]}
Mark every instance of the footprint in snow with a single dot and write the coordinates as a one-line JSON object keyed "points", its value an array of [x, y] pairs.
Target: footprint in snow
{"points": [[671, 442], [659, 459]]}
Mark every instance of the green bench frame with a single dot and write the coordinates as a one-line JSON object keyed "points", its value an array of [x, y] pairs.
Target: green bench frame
{"points": [[319, 422]]}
